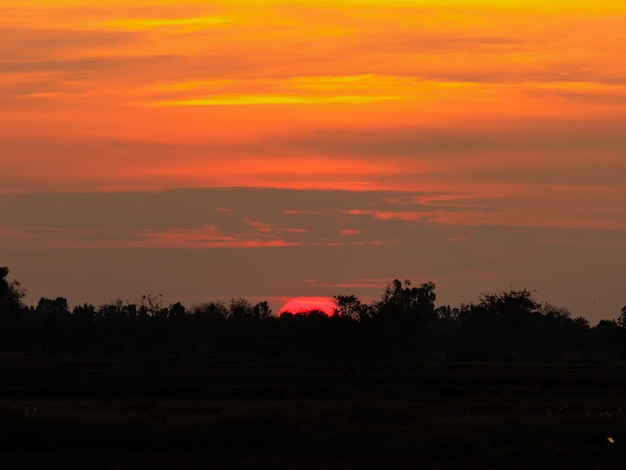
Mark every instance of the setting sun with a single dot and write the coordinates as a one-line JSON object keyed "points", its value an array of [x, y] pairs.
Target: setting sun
{"points": [[310, 304]]}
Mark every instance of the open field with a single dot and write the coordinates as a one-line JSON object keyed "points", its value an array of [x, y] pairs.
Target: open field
{"points": [[60, 412]]}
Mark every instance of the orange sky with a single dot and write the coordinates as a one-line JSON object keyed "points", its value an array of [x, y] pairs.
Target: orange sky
{"points": [[307, 85], [515, 109]]}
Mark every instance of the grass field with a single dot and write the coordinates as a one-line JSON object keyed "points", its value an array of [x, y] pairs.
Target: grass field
{"points": [[63, 412]]}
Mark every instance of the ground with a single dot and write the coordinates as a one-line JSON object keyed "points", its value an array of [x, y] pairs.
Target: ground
{"points": [[65, 412]]}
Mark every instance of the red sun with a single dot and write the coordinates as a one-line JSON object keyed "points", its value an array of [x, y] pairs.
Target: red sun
{"points": [[307, 304]]}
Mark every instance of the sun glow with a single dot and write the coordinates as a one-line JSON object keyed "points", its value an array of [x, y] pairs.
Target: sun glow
{"points": [[310, 304]]}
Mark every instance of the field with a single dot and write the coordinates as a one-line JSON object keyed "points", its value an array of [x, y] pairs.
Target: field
{"points": [[64, 412]]}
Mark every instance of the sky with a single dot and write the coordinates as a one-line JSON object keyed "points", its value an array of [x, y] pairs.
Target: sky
{"points": [[267, 149]]}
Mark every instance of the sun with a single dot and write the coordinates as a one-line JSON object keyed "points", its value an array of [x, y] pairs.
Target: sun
{"points": [[308, 304]]}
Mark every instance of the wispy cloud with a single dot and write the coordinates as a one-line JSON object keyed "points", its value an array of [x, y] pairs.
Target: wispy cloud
{"points": [[191, 23], [377, 284], [203, 237]]}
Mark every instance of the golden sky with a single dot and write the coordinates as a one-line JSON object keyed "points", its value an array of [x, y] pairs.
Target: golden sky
{"points": [[476, 112]]}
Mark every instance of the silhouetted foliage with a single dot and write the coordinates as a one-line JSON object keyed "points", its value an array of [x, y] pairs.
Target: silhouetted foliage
{"points": [[11, 309], [11, 293], [363, 341], [621, 321], [401, 315]]}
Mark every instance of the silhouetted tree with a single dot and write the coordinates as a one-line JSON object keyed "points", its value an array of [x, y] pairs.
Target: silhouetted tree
{"points": [[401, 315], [82, 324], [262, 311], [360, 340], [381, 340], [209, 324], [351, 306], [621, 320], [441, 335], [606, 338], [240, 310], [55, 316], [406, 303], [499, 323], [11, 309], [11, 293]]}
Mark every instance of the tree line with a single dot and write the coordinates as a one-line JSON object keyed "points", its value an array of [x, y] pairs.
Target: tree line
{"points": [[403, 326]]}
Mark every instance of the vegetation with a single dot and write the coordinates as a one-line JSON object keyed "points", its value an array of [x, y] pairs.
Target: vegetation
{"points": [[63, 412], [397, 383], [403, 326]]}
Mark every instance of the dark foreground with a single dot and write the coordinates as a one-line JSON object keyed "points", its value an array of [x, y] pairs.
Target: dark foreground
{"points": [[62, 412]]}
